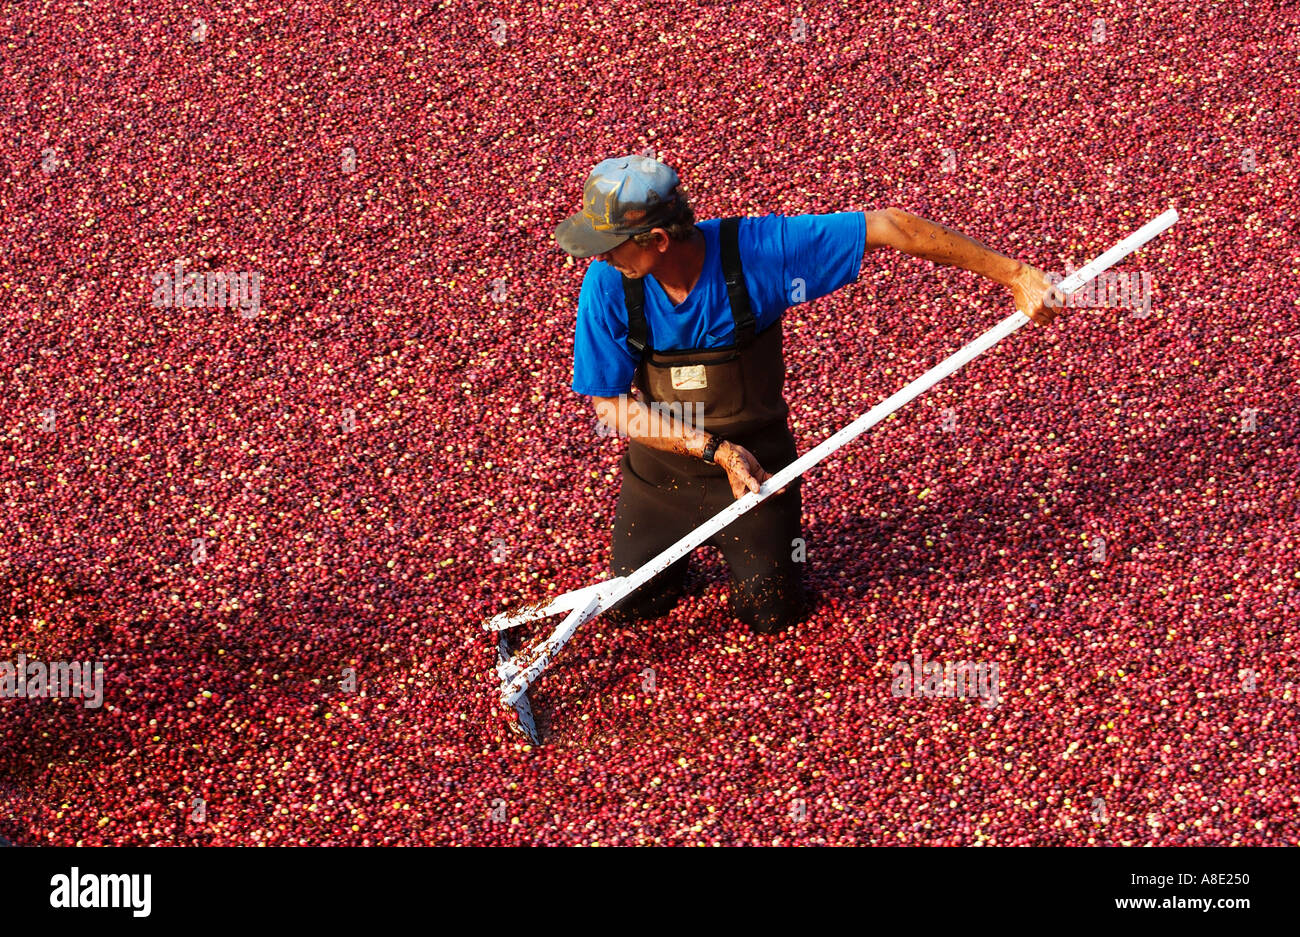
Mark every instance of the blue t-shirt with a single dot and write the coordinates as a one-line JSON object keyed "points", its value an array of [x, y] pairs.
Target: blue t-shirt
{"points": [[786, 260]]}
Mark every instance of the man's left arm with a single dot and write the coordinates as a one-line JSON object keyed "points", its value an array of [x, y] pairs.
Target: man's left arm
{"points": [[1034, 294]]}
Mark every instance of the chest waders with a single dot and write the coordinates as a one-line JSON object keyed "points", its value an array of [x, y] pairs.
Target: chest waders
{"points": [[736, 392]]}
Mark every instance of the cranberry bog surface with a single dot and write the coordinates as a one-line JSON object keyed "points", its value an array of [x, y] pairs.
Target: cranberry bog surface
{"points": [[286, 356]]}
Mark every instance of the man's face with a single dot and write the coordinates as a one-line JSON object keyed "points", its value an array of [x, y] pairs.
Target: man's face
{"points": [[630, 259]]}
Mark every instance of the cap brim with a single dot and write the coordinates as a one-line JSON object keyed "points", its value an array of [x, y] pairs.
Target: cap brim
{"points": [[578, 238]]}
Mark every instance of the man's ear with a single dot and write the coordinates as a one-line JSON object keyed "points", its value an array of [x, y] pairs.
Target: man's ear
{"points": [[662, 240]]}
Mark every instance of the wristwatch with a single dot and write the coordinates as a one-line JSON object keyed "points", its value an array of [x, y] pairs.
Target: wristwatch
{"points": [[711, 448]]}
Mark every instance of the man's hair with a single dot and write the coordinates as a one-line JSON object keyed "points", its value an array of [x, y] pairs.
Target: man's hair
{"points": [[680, 226]]}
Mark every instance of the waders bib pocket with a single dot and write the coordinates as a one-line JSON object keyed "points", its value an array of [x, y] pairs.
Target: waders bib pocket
{"points": [[712, 378]]}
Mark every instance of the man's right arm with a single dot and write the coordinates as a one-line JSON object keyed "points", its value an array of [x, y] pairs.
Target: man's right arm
{"points": [[652, 427]]}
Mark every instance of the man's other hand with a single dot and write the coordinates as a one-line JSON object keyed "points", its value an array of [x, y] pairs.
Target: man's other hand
{"points": [[743, 470], [1036, 296]]}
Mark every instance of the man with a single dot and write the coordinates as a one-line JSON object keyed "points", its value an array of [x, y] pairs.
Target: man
{"points": [[690, 314]]}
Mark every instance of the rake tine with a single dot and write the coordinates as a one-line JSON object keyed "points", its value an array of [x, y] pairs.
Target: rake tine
{"points": [[540, 657], [525, 724]]}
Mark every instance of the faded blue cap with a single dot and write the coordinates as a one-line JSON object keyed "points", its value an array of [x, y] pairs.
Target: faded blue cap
{"points": [[623, 196]]}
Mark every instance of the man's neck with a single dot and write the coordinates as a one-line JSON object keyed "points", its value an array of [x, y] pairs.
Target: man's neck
{"points": [[681, 267]]}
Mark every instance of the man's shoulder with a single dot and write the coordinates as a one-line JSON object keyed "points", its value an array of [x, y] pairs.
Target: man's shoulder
{"points": [[599, 275], [777, 233], [601, 284], [761, 229], [755, 233], [748, 223]]}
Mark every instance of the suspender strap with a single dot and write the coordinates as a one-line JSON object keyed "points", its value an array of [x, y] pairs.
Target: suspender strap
{"points": [[638, 329], [742, 313]]}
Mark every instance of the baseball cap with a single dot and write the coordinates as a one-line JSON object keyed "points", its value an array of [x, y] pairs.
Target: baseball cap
{"points": [[623, 196]]}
